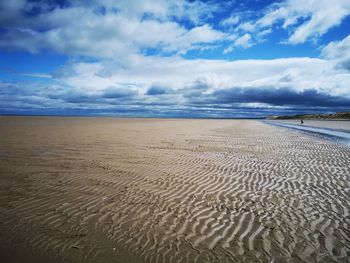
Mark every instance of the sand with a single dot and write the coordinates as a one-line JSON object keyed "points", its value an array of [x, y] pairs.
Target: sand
{"points": [[152, 190], [343, 125]]}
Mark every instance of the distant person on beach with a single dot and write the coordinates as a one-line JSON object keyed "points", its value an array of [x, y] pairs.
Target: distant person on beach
{"points": [[301, 122]]}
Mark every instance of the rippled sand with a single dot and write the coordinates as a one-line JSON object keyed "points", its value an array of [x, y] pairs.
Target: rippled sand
{"points": [[148, 190]]}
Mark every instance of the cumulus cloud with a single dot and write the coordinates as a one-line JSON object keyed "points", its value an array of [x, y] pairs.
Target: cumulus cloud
{"points": [[338, 51], [134, 58], [306, 19], [106, 28], [117, 28], [303, 20], [178, 85], [177, 73]]}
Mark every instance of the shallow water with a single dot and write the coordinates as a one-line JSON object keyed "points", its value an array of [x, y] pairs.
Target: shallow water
{"points": [[343, 125], [336, 130]]}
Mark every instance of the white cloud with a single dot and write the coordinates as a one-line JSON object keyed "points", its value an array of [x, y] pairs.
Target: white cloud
{"points": [[194, 11], [232, 20], [247, 26], [244, 41], [339, 53], [112, 29], [83, 30], [337, 49], [306, 19], [177, 73]]}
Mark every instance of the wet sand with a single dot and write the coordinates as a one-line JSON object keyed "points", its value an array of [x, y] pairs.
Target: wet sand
{"points": [[342, 125], [338, 131], [152, 190]]}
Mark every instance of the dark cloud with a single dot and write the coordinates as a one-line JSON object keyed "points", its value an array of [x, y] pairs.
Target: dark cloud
{"points": [[279, 97], [344, 64], [195, 90], [126, 101], [112, 93], [106, 97], [158, 90], [17, 95]]}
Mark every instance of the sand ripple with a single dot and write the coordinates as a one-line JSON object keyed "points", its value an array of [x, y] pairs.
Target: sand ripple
{"points": [[177, 191]]}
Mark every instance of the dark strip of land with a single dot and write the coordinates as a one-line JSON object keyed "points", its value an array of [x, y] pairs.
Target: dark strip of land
{"points": [[332, 116]]}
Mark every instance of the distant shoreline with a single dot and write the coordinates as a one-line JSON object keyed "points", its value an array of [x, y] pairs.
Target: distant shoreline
{"points": [[133, 117], [339, 116]]}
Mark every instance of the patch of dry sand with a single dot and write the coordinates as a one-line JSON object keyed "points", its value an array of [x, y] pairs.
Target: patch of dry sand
{"points": [[152, 190]]}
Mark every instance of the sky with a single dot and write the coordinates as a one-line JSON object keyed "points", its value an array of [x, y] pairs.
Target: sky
{"points": [[174, 58]]}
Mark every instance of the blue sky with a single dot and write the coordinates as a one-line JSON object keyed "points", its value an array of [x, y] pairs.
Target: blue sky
{"points": [[174, 58]]}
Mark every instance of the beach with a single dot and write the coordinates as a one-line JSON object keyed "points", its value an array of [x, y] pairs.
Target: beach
{"points": [[343, 125], [84, 189]]}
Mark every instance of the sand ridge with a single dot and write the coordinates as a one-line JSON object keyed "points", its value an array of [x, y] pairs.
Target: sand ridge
{"points": [[146, 190]]}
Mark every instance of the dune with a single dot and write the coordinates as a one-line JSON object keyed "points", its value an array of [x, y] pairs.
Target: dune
{"points": [[169, 190]]}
